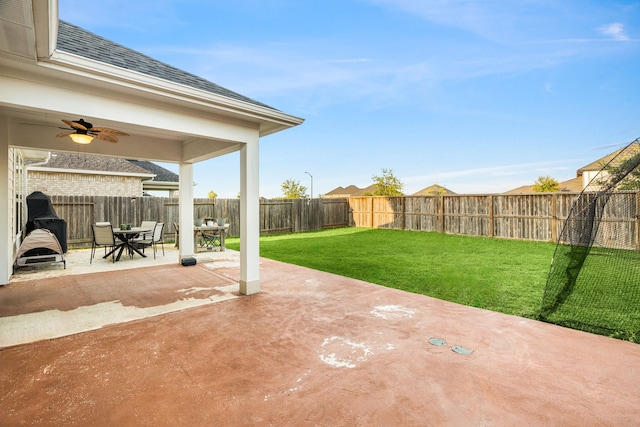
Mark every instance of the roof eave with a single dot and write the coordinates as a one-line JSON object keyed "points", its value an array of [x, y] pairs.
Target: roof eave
{"points": [[90, 172], [269, 119]]}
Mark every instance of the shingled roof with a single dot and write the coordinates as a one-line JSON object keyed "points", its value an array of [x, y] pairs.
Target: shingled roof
{"points": [[573, 185], [433, 190], [601, 162], [78, 41], [350, 191], [161, 173], [89, 162]]}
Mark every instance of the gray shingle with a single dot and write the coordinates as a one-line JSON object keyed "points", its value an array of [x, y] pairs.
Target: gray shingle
{"points": [[94, 163], [78, 41], [113, 164], [162, 174]]}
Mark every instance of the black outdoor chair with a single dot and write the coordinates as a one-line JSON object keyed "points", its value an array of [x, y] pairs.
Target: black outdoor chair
{"points": [[211, 239]]}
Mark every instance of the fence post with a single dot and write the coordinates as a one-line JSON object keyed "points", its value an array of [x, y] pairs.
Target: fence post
{"points": [[371, 212], [554, 218], [441, 213], [491, 210]]}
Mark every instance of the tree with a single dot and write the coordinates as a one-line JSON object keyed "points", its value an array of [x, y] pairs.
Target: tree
{"points": [[545, 184], [387, 184], [293, 190], [212, 194]]}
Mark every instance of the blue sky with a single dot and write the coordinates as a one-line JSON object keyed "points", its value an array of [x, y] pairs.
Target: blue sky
{"points": [[477, 96]]}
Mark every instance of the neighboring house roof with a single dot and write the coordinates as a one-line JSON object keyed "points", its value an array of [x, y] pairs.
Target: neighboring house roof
{"points": [[525, 189], [350, 191], [335, 191], [164, 179], [162, 174], [88, 163], [576, 185], [433, 190], [91, 163], [573, 185], [78, 41], [341, 191], [601, 162]]}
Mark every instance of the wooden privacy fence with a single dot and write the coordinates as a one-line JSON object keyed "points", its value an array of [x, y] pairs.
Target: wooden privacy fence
{"points": [[276, 216], [538, 217]]}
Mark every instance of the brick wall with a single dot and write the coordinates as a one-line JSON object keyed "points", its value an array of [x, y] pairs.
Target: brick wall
{"points": [[71, 184]]}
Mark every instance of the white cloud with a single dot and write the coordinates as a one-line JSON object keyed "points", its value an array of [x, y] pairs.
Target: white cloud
{"points": [[614, 30]]}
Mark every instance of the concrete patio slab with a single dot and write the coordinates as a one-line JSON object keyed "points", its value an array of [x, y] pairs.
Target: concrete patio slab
{"points": [[37, 310], [316, 349]]}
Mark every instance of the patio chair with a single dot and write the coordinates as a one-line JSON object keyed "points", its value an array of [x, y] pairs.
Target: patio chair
{"points": [[102, 236], [146, 225], [156, 237], [211, 238]]}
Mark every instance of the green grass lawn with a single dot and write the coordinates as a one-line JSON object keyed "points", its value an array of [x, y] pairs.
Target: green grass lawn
{"points": [[501, 275]]}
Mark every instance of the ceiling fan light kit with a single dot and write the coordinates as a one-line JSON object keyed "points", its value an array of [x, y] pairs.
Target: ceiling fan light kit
{"points": [[82, 132], [81, 138]]}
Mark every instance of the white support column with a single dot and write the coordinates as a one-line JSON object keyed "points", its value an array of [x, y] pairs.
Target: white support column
{"points": [[6, 241], [186, 210], [249, 219]]}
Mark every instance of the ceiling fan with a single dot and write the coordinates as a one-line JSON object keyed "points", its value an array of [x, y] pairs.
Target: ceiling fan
{"points": [[83, 132]]}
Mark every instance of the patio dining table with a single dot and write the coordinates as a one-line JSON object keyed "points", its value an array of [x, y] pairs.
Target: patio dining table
{"points": [[126, 241]]}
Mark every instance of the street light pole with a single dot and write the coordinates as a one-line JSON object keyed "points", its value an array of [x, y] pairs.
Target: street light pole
{"points": [[311, 183]]}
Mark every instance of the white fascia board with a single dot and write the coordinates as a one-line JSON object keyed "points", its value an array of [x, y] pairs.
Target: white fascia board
{"points": [[91, 172], [70, 63]]}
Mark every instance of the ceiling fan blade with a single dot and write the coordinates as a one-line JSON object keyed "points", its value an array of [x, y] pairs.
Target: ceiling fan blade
{"points": [[110, 131], [74, 125], [67, 133], [105, 136]]}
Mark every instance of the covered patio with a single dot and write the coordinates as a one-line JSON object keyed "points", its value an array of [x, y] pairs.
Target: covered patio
{"points": [[312, 348], [53, 71]]}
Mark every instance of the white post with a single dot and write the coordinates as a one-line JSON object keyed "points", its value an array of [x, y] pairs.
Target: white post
{"points": [[185, 198], [6, 248], [249, 219]]}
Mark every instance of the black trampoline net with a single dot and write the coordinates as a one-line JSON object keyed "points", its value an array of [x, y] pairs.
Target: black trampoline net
{"points": [[594, 278]]}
